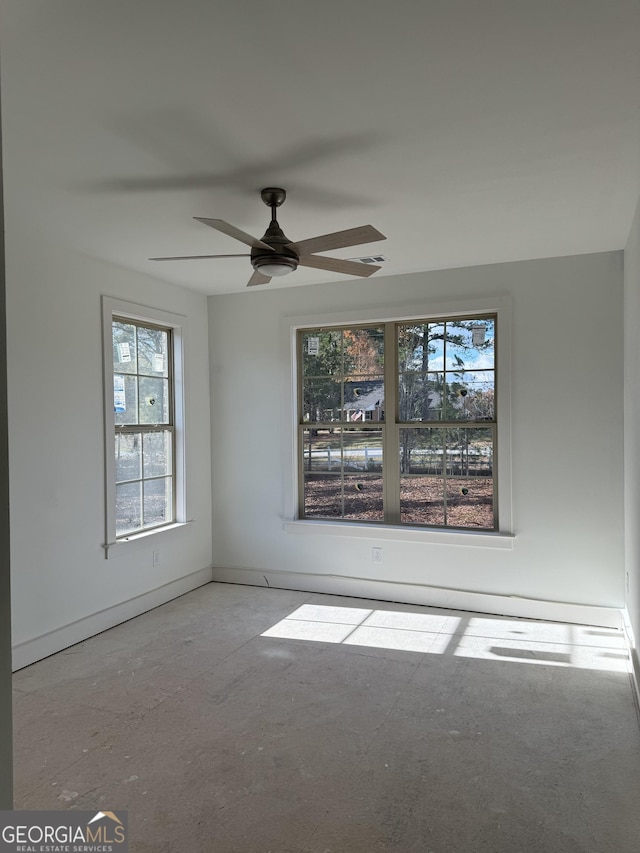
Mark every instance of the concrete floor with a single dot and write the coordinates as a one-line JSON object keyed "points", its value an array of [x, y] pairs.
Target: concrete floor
{"points": [[351, 726]]}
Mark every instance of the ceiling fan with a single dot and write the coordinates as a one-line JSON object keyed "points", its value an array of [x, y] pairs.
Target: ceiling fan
{"points": [[275, 255]]}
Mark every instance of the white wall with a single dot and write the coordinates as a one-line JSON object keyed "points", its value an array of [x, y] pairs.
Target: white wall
{"points": [[6, 723], [566, 403], [59, 572], [632, 421]]}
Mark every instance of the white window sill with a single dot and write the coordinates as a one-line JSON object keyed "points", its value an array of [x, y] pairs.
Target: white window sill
{"points": [[375, 532], [117, 546]]}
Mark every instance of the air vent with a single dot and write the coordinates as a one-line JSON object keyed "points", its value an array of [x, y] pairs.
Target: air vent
{"points": [[370, 259]]}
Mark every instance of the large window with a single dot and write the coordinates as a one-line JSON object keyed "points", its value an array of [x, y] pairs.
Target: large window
{"points": [[397, 422], [142, 380]]}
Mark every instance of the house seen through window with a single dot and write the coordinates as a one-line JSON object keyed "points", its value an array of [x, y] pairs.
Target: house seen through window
{"points": [[397, 423]]}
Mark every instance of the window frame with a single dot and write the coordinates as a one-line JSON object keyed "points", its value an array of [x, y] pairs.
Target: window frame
{"points": [[117, 310], [498, 305]]}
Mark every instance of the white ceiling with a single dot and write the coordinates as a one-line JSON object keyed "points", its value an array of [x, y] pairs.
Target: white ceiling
{"points": [[467, 131]]}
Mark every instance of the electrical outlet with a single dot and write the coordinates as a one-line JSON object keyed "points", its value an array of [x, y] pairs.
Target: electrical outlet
{"points": [[628, 583], [376, 554], [156, 558]]}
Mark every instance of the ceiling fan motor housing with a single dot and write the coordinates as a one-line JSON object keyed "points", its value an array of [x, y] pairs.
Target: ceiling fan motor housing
{"points": [[281, 256]]}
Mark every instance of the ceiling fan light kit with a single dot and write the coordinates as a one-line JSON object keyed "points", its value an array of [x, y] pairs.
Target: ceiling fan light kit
{"points": [[283, 266], [275, 255]]}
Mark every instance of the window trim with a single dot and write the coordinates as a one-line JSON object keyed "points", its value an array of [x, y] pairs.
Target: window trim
{"points": [[118, 308], [498, 304]]}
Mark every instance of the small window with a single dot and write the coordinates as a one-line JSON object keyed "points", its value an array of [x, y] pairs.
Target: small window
{"points": [[397, 423], [144, 453], [144, 426]]}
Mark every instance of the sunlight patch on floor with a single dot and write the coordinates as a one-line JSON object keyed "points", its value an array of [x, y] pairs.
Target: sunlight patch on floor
{"points": [[515, 640]]}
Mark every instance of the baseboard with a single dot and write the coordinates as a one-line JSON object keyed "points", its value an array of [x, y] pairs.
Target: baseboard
{"points": [[47, 644], [635, 673], [405, 593]]}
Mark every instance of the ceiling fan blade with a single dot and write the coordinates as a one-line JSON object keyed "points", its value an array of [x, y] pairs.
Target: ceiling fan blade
{"points": [[236, 233], [338, 240], [338, 265], [258, 278], [198, 257]]}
